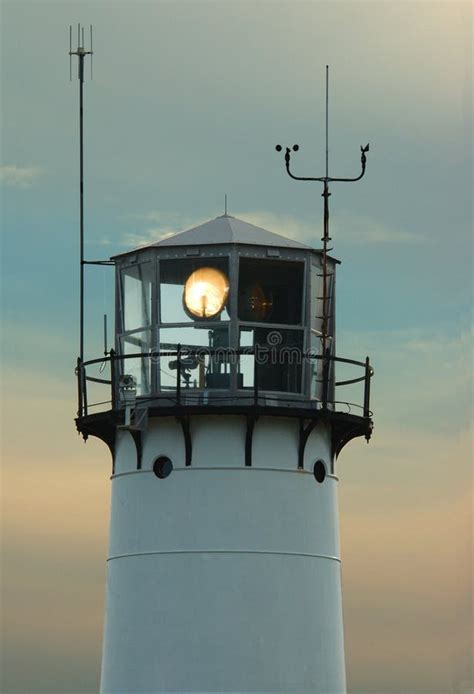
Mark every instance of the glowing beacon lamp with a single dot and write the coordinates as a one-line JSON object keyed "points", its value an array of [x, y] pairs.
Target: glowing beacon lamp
{"points": [[205, 292]]}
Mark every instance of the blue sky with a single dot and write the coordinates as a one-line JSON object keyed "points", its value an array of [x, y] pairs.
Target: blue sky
{"points": [[187, 103]]}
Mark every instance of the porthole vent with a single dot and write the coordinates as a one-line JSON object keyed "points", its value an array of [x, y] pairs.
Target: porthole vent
{"points": [[162, 467], [319, 471]]}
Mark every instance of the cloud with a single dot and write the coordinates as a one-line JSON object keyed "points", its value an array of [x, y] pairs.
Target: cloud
{"points": [[418, 376], [164, 225], [351, 230], [377, 233], [19, 176], [134, 239]]}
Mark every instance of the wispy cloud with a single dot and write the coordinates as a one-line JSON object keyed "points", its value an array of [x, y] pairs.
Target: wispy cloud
{"points": [[363, 230], [158, 225], [417, 376], [284, 225], [19, 176], [134, 239], [350, 229]]}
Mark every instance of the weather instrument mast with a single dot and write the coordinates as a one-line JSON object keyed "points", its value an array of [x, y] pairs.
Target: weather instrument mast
{"points": [[326, 179]]}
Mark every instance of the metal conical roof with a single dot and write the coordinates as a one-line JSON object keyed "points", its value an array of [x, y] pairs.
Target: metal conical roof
{"points": [[225, 229]]}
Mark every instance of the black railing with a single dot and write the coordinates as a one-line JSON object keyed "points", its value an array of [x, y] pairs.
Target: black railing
{"points": [[117, 368]]}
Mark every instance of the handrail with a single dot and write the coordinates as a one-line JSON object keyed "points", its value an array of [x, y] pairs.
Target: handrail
{"points": [[180, 352], [211, 352]]}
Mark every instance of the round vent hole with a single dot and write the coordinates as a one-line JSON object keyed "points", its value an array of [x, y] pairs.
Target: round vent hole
{"points": [[162, 467], [319, 471]]}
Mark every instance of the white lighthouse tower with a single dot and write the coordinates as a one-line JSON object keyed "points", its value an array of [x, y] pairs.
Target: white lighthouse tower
{"points": [[224, 426], [224, 565]]}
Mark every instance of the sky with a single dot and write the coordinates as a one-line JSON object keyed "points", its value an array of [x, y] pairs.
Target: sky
{"points": [[187, 103]]}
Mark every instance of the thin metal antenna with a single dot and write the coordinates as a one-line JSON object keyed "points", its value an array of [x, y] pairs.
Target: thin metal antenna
{"points": [[81, 54], [225, 204], [325, 238], [327, 121], [70, 53], [105, 335]]}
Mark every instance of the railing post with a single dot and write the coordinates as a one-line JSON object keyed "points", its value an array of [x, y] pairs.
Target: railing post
{"points": [[326, 378], [79, 386], [255, 378], [113, 379], [84, 390], [178, 375], [367, 388]]}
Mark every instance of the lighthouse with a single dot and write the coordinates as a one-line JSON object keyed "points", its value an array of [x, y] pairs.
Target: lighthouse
{"points": [[224, 567], [224, 414]]}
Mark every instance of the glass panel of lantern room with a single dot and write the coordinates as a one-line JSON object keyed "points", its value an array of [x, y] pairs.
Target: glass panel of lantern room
{"points": [[140, 367], [194, 288], [205, 360], [271, 291], [136, 295], [277, 361]]}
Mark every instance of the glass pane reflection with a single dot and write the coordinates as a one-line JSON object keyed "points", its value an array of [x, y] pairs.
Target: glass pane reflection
{"points": [[203, 365], [279, 357], [139, 368], [137, 283]]}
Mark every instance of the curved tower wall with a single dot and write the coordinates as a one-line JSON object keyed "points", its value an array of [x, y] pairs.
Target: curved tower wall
{"points": [[223, 577]]}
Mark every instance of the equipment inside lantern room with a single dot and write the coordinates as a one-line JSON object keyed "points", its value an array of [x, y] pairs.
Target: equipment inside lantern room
{"points": [[221, 325]]}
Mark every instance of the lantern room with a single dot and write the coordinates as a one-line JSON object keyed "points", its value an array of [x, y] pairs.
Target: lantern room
{"points": [[223, 310]]}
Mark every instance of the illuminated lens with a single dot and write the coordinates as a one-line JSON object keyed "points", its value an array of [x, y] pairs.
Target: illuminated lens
{"points": [[205, 292]]}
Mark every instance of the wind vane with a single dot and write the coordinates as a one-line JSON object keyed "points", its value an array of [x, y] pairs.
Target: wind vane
{"points": [[325, 194]]}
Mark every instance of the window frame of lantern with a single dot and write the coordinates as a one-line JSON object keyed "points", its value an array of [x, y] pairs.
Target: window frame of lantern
{"points": [[233, 253], [133, 260], [200, 254], [269, 255]]}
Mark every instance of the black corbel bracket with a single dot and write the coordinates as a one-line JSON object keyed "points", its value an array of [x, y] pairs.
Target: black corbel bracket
{"points": [[137, 439], [104, 428], [251, 419], [342, 433], [305, 432], [188, 444]]}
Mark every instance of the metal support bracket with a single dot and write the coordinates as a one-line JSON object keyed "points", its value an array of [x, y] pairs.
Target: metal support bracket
{"points": [[137, 438], [341, 435], [250, 419], [104, 429], [305, 432], [188, 444]]}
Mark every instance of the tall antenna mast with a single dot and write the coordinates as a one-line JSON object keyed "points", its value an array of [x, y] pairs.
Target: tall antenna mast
{"points": [[81, 54], [327, 121], [325, 194]]}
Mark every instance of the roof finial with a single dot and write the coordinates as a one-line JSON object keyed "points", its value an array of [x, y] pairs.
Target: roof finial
{"points": [[225, 205]]}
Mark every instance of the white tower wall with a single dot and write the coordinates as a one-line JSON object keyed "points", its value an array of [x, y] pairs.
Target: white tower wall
{"points": [[222, 577]]}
